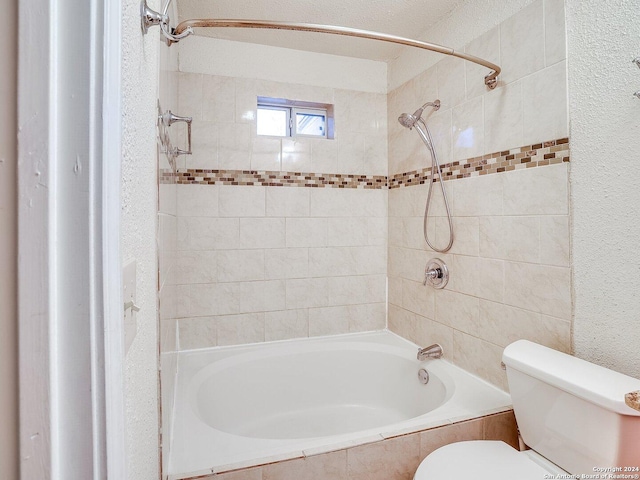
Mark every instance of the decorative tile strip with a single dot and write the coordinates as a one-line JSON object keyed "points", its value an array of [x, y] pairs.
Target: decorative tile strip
{"points": [[274, 179], [538, 155], [528, 156]]}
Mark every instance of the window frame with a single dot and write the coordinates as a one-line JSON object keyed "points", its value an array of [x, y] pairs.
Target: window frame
{"points": [[293, 108]]}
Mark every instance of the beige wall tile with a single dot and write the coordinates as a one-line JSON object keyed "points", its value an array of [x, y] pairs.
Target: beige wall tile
{"points": [[204, 145], [234, 146], [202, 233], [237, 201], [195, 267], [246, 474], [286, 263], [197, 200], [218, 99], [287, 202], [503, 128], [544, 95], [396, 458], [451, 81], [555, 37], [262, 233], [285, 324], [554, 240], [328, 466], [240, 265], [537, 191], [306, 232], [266, 154], [428, 332], [491, 279], [296, 155], [332, 320], [522, 43], [502, 427], [237, 329], [372, 317], [486, 46], [503, 324], [468, 129], [418, 298], [479, 357], [544, 289], [431, 440], [458, 311], [198, 332]]}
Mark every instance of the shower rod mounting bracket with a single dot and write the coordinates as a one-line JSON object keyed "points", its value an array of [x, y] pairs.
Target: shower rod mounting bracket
{"points": [[150, 18]]}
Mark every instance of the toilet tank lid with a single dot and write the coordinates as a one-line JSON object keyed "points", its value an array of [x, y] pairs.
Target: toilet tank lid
{"points": [[583, 379]]}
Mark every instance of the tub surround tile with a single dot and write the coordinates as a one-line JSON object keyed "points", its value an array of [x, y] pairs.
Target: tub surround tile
{"points": [[431, 440], [555, 44], [479, 357], [540, 288], [396, 458], [343, 445], [502, 427], [198, 332], [329, 466], [286, 324], [522, 43], [246, 328], [632, 399]]}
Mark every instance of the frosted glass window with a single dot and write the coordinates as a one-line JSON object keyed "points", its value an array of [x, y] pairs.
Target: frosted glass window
{"points": [[273, 121]]}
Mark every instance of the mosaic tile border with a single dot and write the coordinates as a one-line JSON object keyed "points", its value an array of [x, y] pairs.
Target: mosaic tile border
{"points": [[274, 179], [529, 156]]}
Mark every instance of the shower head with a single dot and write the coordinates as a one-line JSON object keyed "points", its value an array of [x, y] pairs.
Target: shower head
{"points": [[408, 120]]}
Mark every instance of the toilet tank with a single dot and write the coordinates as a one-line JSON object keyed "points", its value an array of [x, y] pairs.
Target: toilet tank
{"points": [[573, 412]]}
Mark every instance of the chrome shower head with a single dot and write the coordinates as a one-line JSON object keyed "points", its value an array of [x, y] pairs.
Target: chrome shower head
{"points": [[409, 120]]}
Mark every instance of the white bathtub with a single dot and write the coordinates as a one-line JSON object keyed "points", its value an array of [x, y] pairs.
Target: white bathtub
{"points": [[237, 407]]}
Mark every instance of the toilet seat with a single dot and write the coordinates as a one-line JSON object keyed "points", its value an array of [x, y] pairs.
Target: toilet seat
{"points": [[483, 460]]}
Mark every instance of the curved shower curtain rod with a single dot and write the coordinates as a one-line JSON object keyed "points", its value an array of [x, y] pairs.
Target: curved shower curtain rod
{"points": [[185, 28]]}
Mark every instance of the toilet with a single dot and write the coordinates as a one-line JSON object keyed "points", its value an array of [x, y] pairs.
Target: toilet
{"points": [[571, 413]]}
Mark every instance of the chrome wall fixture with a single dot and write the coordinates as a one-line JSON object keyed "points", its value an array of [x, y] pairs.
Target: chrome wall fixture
{"points": [[184, 29], [165, 120]]}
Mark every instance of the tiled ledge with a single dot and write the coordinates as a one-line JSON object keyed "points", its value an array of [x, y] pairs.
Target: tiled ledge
{"points": [[528, 156]]}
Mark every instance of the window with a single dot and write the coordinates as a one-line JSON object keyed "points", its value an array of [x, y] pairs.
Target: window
{"points": [[280, 117]]}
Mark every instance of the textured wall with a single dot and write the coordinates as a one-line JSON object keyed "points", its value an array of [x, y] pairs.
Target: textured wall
{"points": [[8, 249], [605, 186], [139, 213]]}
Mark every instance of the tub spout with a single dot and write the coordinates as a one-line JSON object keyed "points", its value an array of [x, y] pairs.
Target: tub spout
{"points": [[432, 351]]}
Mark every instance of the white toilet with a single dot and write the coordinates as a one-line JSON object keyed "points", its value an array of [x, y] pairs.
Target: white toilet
{"points": [[571, 413]]}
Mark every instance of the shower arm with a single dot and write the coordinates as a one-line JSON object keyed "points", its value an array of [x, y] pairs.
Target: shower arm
{"points": [[184, 29], [188, 25]]}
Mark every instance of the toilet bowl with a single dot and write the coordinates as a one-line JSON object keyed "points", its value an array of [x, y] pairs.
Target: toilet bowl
{"points": [[571, 413], [485, 460]]}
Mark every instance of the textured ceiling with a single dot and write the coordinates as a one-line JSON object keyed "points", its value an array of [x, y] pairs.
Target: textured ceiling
{"points": [[407, 18]]}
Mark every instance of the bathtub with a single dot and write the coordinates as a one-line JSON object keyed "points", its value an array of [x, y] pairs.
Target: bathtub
{"points": [[242, 406]]}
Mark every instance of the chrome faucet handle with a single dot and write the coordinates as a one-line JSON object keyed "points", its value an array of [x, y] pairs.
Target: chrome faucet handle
{"points": [[436, 273]]}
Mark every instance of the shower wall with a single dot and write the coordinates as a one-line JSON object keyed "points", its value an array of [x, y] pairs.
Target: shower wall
{"points": [[507, 160], [277, 237]]}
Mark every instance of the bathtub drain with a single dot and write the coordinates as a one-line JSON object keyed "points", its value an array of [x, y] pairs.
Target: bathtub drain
{"points": [[423, 375]]}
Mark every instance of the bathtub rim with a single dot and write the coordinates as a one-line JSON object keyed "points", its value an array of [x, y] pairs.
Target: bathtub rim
{"points": [[387, 432]]}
